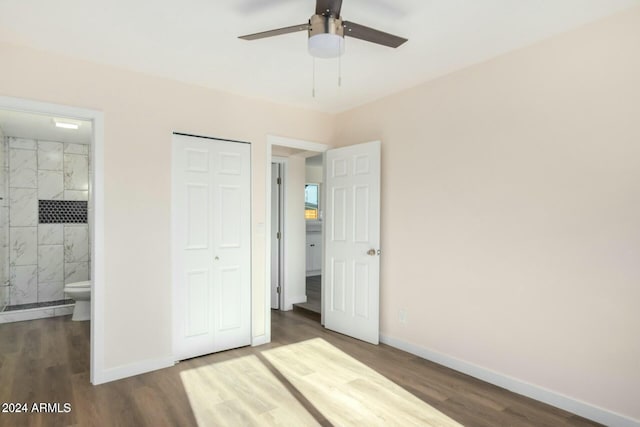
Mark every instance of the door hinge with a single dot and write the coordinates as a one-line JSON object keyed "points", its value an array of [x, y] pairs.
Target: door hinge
{"points": [[279, 181], [278, 235], [278, 289]]}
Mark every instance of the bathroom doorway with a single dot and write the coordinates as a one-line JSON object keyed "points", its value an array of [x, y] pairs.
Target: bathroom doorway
{"points": [[44, 221], [48, 210]]}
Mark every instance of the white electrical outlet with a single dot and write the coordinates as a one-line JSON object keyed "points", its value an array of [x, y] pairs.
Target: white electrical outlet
{"points": [[402, 316]]}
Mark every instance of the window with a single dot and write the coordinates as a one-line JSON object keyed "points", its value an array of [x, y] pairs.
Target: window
{"points": [[311, 201]]}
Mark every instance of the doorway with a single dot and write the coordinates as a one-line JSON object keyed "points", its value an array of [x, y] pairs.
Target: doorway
{"points": [[290, 154], [298, 285], [350, 235], [95, 207], [313, 215]]}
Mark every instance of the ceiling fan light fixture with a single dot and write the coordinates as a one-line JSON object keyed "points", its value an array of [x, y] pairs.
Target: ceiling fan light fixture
{"points": [[326, 45], [326, 36]]}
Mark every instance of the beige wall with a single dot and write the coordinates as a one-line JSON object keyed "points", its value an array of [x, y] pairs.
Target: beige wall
{"points": [[510, 203], [313, 174], [294, 233], [511, 212], [140, 114]]}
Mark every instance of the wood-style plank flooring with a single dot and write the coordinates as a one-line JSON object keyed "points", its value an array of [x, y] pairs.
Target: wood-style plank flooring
{"points": [[306, 376]]}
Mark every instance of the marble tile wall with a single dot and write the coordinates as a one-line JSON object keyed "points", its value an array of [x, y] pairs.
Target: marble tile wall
{"points": [[44, 257]]}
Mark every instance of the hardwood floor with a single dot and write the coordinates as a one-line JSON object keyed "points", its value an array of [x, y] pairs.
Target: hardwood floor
{"points": [[306, 376]]}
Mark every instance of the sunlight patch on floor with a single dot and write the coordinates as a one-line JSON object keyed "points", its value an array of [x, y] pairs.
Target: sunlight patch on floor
{"points": [[242, 391], [302, 384], [347, 392]]}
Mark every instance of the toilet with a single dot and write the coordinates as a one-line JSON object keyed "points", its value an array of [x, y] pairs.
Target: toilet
{"points": [[80, 292]]}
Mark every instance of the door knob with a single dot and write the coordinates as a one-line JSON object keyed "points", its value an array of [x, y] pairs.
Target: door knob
{"points": [[371, 252]]}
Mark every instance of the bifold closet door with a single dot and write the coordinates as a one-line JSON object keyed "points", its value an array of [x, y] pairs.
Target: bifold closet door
{"points": [[211, 245]]}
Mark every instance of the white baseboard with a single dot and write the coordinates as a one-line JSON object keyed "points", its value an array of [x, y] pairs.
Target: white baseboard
{"points": [[119, 372], [515, 385]]}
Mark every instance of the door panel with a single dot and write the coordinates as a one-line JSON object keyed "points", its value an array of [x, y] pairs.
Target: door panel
{"points": [[230, 298], [228, 226], [337, 285], [198, 308], [338, 214], [211, 245], [353, 241]]}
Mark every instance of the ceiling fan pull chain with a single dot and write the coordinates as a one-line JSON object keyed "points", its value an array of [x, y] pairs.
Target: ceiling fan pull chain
{"points": [[313, 88], [340, 71]]}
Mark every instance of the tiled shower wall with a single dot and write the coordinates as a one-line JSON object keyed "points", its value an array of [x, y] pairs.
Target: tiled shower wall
{"points": [[44, 257]]}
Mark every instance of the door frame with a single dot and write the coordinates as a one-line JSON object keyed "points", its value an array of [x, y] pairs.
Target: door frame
{"points": [[299, 144], [282, 161], [98, 373]]}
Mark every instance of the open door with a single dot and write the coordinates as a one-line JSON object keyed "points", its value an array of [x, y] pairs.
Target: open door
{"points": [[352, 241]]}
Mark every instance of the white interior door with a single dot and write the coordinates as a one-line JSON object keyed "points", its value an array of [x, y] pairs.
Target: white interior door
{"points": [[211, 245], [275, 236], [352, 241]]}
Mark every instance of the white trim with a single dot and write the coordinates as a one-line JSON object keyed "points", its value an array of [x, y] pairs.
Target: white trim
{"points": [[296, 143], [515, 385], [284, 164], [291, 143], [266, 337], [259, 340], [96, 218], [119, 372]]}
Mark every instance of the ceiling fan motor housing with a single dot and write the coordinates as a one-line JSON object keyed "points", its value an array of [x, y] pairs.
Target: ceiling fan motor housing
{"points": [[319, 24]]}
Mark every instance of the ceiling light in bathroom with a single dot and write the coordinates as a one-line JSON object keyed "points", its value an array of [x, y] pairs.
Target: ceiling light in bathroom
{"points": [[66, 124]]}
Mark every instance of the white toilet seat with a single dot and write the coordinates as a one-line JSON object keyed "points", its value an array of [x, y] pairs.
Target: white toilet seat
{"points": [[75, 285]]}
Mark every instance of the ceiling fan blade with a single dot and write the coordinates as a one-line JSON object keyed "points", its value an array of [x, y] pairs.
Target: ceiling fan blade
{"points": [[361, 32], [279, 31], [328, 7]]}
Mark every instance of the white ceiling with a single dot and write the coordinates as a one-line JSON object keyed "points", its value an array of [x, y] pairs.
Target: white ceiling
{"points": [[42, 127], [196, 40]]}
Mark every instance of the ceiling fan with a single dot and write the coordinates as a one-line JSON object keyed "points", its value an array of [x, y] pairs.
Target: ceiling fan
{"points": [[326, 31]]}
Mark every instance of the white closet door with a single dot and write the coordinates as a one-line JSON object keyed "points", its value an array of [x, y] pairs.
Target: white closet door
{"points": [[211, 245], [352, 236]]}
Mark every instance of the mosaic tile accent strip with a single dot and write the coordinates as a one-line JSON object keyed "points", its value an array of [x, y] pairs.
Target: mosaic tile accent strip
{"points": [[62, 212]]}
